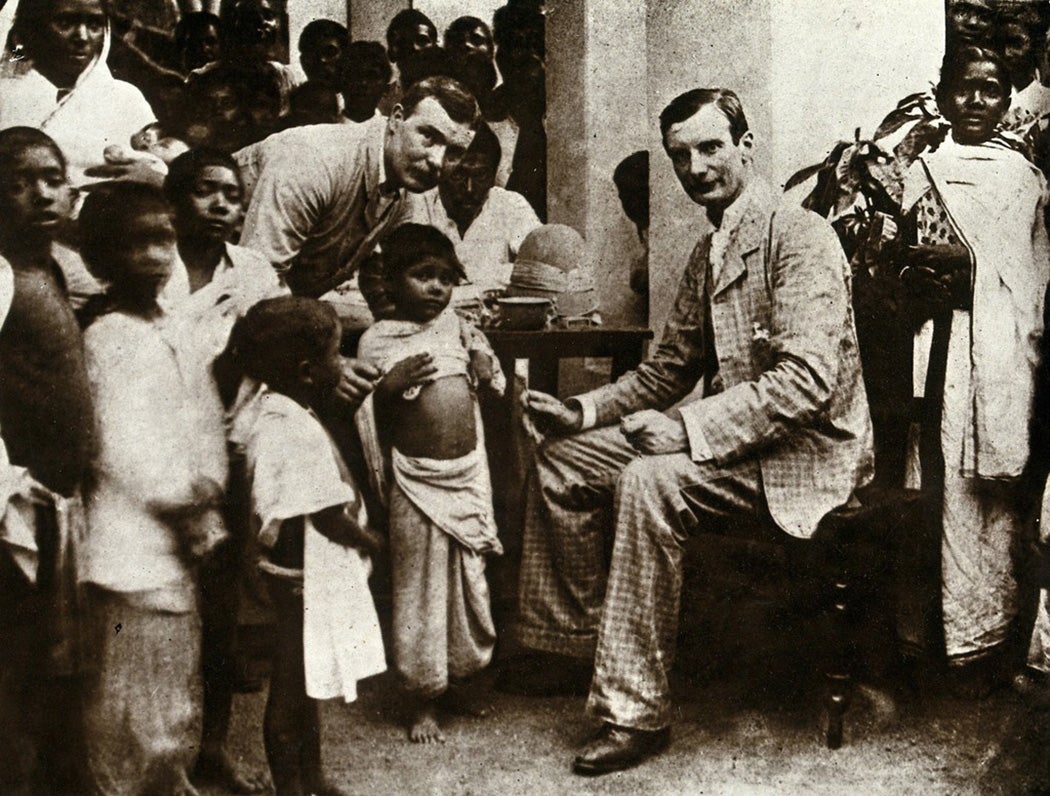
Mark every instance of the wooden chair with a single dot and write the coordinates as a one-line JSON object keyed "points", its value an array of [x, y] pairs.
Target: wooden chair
{"points": [[846, 576]]}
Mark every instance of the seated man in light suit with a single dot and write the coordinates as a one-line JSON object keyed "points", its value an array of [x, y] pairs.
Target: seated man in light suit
{"points": [[781, 436]]}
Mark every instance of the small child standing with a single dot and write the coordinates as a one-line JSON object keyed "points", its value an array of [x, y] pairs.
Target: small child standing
{"points": [[153, 508], [312, 524], [426, 414]]}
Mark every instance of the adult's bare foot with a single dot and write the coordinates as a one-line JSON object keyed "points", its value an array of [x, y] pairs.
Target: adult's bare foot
{"points": [[218, 769], [424, 727]]}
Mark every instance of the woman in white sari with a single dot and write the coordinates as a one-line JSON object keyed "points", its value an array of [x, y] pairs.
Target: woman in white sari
{"points": [[65, 87], [979, 270]]}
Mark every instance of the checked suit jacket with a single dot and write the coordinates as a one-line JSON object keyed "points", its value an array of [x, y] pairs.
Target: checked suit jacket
{"points": [[774, 341]]}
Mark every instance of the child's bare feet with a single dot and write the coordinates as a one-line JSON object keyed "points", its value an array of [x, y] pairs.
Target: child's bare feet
{"points": [[461, 700], [217, 768], [424, 727]]}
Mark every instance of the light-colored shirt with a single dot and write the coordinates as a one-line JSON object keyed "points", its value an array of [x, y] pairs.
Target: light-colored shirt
{"points": [[319, 194], [149, 450], [98, 112], [490, 244], [198, 325]]}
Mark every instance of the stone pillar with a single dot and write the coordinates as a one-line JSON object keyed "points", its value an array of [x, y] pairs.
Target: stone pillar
{"points": [[596, 116]]}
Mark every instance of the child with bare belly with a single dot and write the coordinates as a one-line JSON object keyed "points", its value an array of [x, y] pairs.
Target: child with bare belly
{"points": [[439, 496]]}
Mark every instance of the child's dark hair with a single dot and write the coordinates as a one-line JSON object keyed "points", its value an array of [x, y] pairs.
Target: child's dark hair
{"points": [[410, 243], [957, 59], [187, 167], [276, 335], [104, 218], [16, 140]]}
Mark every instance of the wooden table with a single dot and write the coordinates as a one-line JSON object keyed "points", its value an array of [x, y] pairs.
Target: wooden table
{"points": [[544, 348]]}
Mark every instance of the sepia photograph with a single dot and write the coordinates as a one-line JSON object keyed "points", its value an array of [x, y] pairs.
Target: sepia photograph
{"points": [[497, 397]]}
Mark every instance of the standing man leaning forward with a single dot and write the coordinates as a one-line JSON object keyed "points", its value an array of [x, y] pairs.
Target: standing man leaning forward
{"points": [[781, 437], [323, 196]]}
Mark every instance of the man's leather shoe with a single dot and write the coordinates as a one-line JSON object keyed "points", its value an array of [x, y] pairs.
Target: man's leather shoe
{"points": [[616, 748]]}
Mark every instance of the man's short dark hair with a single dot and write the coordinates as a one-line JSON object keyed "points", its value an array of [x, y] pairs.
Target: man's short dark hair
{"points": [[277, 334], [16, 140], [184, 170], [958, 58], [462, 26], [411, 243], [687, 105], [320, 29], [406, 19], [103, 222], [450, 94]]}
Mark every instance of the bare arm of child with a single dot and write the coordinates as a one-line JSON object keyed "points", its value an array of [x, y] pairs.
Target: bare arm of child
{"points": [[336, 524]]}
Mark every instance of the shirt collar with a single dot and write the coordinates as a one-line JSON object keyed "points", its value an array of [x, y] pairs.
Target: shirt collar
{"points": [[378, 141], [734, 214]]}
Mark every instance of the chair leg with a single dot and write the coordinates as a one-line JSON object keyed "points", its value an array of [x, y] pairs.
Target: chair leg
{"points": [[839, 671]]}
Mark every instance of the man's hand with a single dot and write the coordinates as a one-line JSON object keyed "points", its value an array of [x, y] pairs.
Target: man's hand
{"points": [[481, 364], [551, 416], [939, 276], [653, 433], [357, 380], [409, 372]]}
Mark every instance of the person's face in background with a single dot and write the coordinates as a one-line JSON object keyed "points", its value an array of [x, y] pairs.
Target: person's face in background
{"points": [[969, 22], [211, 210], [35, 196], [201, 46], [475, 41], [1019, 53], [975, 102], [411, 39], [69, 41], [418, 147], [365, 81], [322, 61], [466, 187], [257, 30], [215, 118], [144, 258]]}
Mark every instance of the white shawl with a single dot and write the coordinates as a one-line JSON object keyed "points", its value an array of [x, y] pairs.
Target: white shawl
{"points": [[995, 200]]}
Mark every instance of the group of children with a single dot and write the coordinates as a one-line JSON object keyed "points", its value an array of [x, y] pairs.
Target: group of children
{"points": [[189, 386]]}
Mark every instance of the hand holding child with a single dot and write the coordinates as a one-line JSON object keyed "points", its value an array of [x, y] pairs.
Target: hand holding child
{"points": [[357, 380]]}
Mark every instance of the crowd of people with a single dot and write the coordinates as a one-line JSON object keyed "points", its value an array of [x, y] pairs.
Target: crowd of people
{"points": [[178, 414]]}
